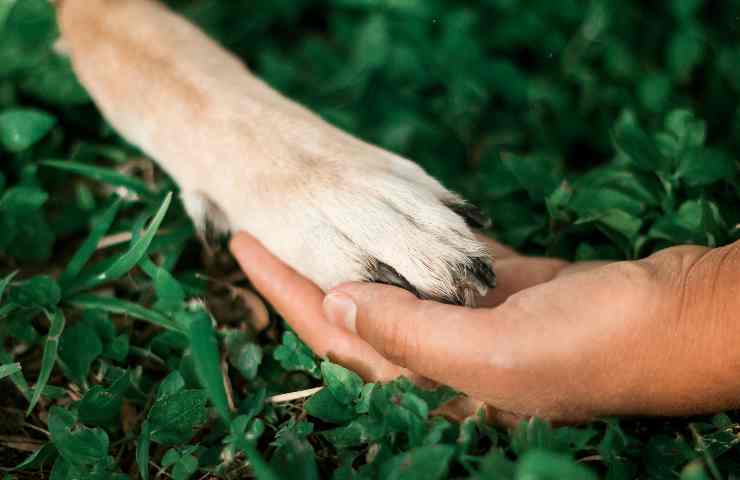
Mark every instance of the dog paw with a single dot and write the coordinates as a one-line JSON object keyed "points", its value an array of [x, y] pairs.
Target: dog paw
{"points": [[372, 217]]}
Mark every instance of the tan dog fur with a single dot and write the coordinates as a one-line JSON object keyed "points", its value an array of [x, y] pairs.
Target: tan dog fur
{"points": [[335, 208]]}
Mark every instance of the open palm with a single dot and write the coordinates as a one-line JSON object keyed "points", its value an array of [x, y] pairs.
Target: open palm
{"points": [[558, 340]]}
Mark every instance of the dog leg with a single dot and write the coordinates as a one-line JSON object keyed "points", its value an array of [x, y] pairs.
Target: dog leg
{"points": [[335, 208]]}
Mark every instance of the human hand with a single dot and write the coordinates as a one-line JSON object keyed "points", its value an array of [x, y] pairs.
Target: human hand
{"points": [[562, 341]]}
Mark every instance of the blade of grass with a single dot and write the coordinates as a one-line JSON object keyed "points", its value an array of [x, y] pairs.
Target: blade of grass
{"points": [[149, 267], [5, 281], [49, 358], [142, 451], [138, 249], [123, 307], [261, 469], [206, 357], [88, 247], [136, 252], [37, 458], [101, 174], [176, 236], [9, 369], [204, 347], [17, 378], [6, 309]]}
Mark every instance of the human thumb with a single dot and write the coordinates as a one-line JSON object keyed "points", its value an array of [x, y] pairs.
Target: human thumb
{"points": [[417, 334]]}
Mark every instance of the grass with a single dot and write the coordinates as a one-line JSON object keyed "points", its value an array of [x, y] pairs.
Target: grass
{"points": [[587, 129]]}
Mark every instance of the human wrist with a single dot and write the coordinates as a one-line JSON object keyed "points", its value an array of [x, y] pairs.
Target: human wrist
{"points": [[698, 346], [716, 281]]}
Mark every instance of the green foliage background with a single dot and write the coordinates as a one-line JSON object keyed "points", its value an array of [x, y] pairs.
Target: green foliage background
{"points": [[585, 128]]}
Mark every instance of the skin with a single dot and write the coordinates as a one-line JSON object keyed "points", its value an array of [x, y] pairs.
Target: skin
{"points": [[566, 342]]}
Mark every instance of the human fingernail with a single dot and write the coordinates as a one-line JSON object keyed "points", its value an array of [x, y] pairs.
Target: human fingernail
{"points": [[341, 310]]}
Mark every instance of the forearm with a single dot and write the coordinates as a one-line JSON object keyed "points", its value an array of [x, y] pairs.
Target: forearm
{"points": [[713, 302], [701, 341], [727, 288]]}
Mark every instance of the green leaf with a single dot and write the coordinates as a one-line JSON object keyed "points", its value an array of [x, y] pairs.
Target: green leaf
{"points": [[54, 81], [356, 433], [39, 291], [174, 417], [654, 90], [100, 227], [171, 384], [295, 459], [638, 185], [496, 465], [686, 51], [31, 237], [559, 199], [363, 403], [77, 445], [403, 412], [324, 405], [101, 174], [246, 356], [428, 463], [170, 457], [689, 215], [9, 369], [295, 355], [29, 28], [101, 323], [21, 128], [185, 468], [688, 130], [536, 174], [292, 429], [5, 7], [204, 347], [79, 347], [587, 201], [372, 43], [640, 148], [253, 404], [686, 9], [344, 384], [699, 167], [534, 434], [20, 200], [118, 348], [102, 406], [51, 344], [617, 220], [434, 397], [544, 465]]}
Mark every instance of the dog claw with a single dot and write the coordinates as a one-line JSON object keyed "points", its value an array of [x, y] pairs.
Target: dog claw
{"points": [[473, 216], [471, 281]]}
